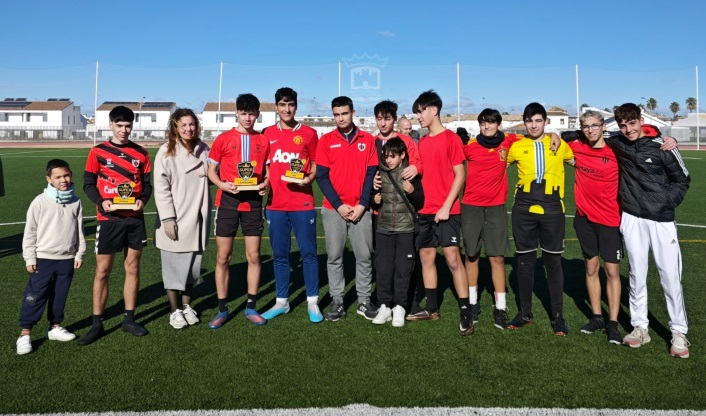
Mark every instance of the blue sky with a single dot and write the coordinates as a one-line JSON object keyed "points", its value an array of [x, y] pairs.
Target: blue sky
{"points": [[509, 52]]}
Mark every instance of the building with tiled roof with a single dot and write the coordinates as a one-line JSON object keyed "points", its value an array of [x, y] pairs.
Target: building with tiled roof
{"points": [[151, 118], [55, 118], [219, 117]]}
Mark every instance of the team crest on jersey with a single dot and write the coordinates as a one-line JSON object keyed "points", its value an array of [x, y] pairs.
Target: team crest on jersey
{"points": [[109, 163], [361, 146], [604, 159], [503, 154], [135, 163], [298, 140]]}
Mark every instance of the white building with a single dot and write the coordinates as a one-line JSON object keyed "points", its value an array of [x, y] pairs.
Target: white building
{"points": [[215, 120], [56, 118], [151, 118], [690, 122]]}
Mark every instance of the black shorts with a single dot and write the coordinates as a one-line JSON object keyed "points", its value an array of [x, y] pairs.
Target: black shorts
{"points": [[115, 236], [530, 229], [227, 220], [598, 239], [445, 233], [485, 226]]}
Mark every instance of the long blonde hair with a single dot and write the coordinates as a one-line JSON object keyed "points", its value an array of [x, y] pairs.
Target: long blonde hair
{"points": [[173, 133]]}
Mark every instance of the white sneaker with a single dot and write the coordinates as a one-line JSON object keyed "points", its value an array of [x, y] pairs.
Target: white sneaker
{"points": [[59, 333], [637, 338], [190, 315], [384, 315], [680, 345], [398, 314], [24, 345], [176, 319]]}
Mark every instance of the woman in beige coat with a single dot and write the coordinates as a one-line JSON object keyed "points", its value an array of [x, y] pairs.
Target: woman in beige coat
{"points": [[184, 205]]}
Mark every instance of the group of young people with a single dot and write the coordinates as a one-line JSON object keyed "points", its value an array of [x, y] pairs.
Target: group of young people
{"points": [[394, 199]]}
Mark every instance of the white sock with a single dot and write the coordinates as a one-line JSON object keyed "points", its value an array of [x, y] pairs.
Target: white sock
{"points": [[281, 302], [312, 300], [473, 294], [500, 301]]}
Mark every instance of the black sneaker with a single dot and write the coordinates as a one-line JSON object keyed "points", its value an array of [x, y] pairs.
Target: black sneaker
{"points": [[595, 324], [134, 328], [415, 308], [521, 319], [466, 327], [92, 335], [424, 315], [336, 312], [559, 325], [475, 310], [500, 317], [367, 310], [613, 332]]}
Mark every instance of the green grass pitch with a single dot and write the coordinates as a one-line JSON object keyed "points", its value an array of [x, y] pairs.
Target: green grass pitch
{"points": [[293, 363]]}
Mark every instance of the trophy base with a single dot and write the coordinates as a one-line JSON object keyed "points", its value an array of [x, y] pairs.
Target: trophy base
{"points": [[292, 180], [248, 188], [116, 207]]}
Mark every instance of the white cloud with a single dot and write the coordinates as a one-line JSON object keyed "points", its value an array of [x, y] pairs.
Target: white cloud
{"points": [[386, 34]]}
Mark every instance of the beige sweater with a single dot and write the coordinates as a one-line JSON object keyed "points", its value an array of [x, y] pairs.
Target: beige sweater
{"points": [[53, 231]]}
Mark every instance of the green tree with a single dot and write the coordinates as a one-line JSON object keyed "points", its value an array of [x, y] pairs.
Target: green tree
{"points": [[651, 104], [691, 104], [674, 108], [584, 105]]}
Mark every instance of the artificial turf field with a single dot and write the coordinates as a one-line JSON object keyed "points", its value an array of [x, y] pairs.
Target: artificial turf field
{"points": [[292, 363]]}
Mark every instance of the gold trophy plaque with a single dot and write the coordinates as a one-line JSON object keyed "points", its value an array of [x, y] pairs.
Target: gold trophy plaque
{"points": [[295, 174], [124, 200], [246, 180]]}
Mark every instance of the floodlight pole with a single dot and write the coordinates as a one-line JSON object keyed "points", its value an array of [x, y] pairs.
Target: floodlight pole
{"points": [[698, 135], [95, 108], [458, 93], [578, 109], [339, 78], [220, 89]]}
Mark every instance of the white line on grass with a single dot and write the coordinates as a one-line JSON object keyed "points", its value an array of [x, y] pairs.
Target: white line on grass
{"points": [[35, 152], [319, 208], [365, 409]]}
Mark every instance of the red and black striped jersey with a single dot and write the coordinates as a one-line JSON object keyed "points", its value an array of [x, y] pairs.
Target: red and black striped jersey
{"points": [[115, 164]]}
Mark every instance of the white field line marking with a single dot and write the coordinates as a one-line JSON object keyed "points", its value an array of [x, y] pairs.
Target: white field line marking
{"points": [[319, 208], [35, 152], [366, 409]]}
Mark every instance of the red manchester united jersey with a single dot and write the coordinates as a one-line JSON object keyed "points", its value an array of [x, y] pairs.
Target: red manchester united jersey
{"points": [[285, 145], [596, 187], [229, 150], [115, 165], [439, 155]]}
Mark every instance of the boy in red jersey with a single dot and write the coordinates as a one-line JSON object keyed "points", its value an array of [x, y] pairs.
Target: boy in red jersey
{"points": [[440, 217], [290, 206], [118, 164], [239, 153], [483, 212], [385, 117], [346, 162], [597, 221]]}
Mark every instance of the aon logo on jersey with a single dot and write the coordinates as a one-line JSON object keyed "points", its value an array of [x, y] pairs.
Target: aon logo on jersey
{"points": [[284, 157]]}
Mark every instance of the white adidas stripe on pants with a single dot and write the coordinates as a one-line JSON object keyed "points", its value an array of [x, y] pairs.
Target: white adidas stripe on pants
{"points": [[639, 235]]}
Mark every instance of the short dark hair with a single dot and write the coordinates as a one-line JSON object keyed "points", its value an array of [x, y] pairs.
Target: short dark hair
{"points": [[57, 163], [627, 112], [386, 108], [394, 146], [532, 110], [247, 102], [490, 115], [427, 99], [463, 134], [286, 94], [342, 101], [121, 113]]}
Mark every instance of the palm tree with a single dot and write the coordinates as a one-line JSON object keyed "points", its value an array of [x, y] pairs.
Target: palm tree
{"points": [[651, 104], [674, 108], [691, 104]]}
